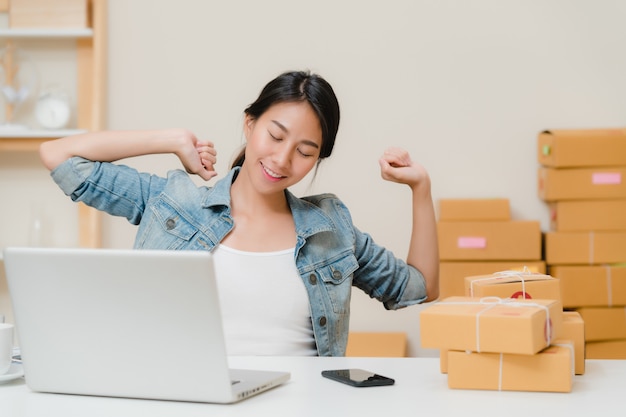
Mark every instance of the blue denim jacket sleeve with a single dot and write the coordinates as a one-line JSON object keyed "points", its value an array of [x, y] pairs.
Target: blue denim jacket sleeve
{"points": [[379, 273], [387, 278], [116, 189]]}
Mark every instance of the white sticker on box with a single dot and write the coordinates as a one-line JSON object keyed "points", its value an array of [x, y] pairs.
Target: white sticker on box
{"points": [[471, 242], [606, 178]]}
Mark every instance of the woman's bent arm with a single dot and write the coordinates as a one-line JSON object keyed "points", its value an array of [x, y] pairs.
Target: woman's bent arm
{"points": [[396, 165], [196, 156]]}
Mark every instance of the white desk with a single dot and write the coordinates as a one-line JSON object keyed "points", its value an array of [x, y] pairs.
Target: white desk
{"points": [[420, 390]]}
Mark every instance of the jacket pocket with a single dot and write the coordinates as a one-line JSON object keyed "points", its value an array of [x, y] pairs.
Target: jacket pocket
{"points": [[337, 279], [166, 228]]}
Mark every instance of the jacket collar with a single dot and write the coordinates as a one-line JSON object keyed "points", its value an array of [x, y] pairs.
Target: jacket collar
{"points": [[308, 218]]}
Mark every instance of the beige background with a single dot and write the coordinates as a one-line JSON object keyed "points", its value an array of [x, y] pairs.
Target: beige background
{"points": [[464, 85]]}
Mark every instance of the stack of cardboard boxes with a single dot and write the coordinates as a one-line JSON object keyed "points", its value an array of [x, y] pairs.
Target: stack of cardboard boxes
{"points": [[583, 179], [508, 333], [477, 237]]}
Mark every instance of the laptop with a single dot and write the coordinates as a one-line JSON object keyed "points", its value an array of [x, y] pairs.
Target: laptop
{"points": [[125, 323]]}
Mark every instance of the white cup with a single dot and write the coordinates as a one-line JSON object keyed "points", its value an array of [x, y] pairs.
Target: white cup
{"points": [[6, 347]]}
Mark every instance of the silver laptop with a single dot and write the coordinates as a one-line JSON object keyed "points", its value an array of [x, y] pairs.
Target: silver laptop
{"points": [[125, 323]]}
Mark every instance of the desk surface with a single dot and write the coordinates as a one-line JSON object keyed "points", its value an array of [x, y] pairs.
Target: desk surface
{"points": [[419, 387]]}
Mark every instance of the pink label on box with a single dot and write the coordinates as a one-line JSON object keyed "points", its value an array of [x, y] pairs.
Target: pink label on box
{"points": [[469, 242], [606, 178]]}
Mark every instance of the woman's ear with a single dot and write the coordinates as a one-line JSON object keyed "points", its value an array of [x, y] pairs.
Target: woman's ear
{"points": [[248, 124]]}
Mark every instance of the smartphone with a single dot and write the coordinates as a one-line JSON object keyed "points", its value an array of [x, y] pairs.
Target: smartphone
{"points": [[357, 377]]}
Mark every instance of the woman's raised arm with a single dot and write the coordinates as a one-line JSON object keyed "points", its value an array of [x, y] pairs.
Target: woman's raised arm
{"points": [[198, 157], [396, 165]]}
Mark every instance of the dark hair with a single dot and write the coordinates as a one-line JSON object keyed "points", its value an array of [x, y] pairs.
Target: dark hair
{"points": [[299, 86]]}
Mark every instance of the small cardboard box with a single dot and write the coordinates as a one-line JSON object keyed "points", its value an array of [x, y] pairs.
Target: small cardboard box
{"points": [[585, 248], [573, 326], [604, 323], [574, 330], [581, 183], [513, 284], [548, 371], [376, 344], [597, 215], [49, 14], [580, 148], [489, 241], [474, 209], [508, 326], [452, 274], [591, 286], [611, 349]]}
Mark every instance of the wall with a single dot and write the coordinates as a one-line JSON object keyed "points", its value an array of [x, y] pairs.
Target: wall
{"points": [[465, 86]]}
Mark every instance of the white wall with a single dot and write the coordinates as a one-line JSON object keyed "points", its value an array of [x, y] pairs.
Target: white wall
{"points": [[465, 85]]}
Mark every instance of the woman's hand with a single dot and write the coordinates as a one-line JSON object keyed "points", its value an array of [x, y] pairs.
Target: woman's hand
{"points": [[198, 157], [396, 166]]}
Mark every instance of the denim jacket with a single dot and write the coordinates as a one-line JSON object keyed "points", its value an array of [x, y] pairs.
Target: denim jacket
{"points": [[331, 254]]}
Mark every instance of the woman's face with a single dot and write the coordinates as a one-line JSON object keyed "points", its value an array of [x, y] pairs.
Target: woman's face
{"points": [[283, 146]]}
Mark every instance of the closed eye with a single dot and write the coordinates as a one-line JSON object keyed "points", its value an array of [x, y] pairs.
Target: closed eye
{"points": [[306, 155], [276, 138]]}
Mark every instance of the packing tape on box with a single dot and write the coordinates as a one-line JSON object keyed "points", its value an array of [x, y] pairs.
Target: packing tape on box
{"points": [[492, 302], [500, 372], [505, 274]]}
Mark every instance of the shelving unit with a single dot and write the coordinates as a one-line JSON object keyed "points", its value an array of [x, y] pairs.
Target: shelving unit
{"points": [[90, 98]]}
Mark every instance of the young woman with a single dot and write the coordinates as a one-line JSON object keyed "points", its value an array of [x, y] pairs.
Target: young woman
{"points": [[285, 265]]}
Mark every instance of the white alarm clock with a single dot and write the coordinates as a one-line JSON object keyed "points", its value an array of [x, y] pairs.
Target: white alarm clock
{"points": [[53, 109]]}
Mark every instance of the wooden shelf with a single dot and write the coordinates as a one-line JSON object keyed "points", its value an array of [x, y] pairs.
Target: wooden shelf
{"points": [[39, 133], [91, 52], [46, 33], [29, 140]]}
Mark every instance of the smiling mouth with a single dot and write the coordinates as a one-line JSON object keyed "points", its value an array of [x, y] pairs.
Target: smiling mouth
{"points": [[271, 173]]}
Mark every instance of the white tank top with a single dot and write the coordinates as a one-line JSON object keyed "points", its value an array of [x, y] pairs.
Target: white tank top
{"points": [[265, 307]]}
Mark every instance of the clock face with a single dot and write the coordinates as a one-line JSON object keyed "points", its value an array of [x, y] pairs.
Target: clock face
{"points": [[52, 112]]}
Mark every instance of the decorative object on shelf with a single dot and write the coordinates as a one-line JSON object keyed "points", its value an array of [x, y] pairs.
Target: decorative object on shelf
{"points": [[53, 109], [19, 82]]}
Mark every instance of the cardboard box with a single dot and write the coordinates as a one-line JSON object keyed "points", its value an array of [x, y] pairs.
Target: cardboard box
{"points": [[597, 215], [547, 371], [591, 286], [585, 248], [377, 344], [581, 183], [573, 334], [508, 326], [613, 349], [580, 148], [489, 241], [452, 274], [49, 14], [474, 209], [513, 284], [574, 330], [604, 323]]}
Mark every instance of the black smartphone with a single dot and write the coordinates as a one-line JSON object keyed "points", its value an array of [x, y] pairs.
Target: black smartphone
{"points": [[357, 377]]}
